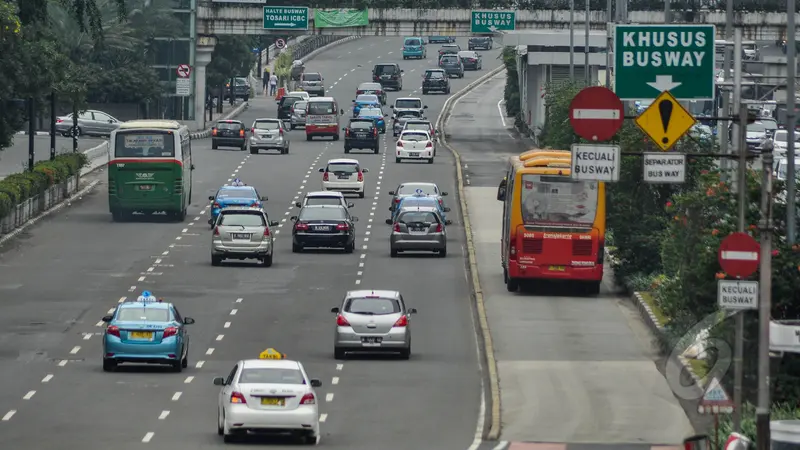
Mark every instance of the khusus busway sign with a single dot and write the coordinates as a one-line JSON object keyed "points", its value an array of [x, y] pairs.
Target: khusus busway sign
{"points": [[595, 162], [490, 21], [651, 59]]}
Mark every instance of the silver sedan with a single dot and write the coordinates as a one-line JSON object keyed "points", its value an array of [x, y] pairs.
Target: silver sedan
{"points": [[373, 321], [90, 122]]}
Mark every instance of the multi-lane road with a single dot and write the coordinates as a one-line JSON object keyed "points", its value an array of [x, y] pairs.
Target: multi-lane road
{"points": [[66, 273]]}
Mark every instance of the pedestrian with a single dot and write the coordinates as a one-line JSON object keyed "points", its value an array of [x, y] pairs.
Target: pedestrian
{"points": [[273, 85], [265, 79]]}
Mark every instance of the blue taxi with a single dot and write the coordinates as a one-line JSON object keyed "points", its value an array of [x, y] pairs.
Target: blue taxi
{"points": [[365, 101], [377, 115], [419, 199], [234, 194], [414, 47], [146, 331]]}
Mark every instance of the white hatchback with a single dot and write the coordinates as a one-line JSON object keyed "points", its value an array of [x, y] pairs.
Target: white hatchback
{"points": [[415, 144], [344, 175]]}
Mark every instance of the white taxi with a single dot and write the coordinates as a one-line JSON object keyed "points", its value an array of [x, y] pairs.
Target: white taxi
{"points": [[269, 395], [343, 175], [416, 145]]}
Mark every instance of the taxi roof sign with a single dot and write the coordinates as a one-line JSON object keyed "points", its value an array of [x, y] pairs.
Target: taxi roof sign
{"points": [[238, 182], [271, 353]]}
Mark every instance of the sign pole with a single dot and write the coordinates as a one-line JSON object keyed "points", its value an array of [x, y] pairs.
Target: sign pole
{"points": [[726, 103], [586, 75], [738, 347], [572, 40]]}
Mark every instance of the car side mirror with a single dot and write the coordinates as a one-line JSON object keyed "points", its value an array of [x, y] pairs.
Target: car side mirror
{"points": [[425, 107], [316, 383], [264, 198], [321, 170], [390, 193], [501, 194], [448, 222], [211, 197], [341, 112], [274, 223], [191, 167], [110, 121], [188, 321], [353, 101], [107, 318], [354, 219], [402, 71], [365, 170], [335, 310], [293, 218], [391, 107], [444, 194], [298, 204], [446, 209], [219, 381], [388, 221], [350, 205], [344, 128], [411, 311]]}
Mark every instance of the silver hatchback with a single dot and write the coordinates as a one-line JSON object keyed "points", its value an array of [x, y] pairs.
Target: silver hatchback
{"points": [[242, 233], [418, 228], [372, 321], [269, 134], [298, 112]]}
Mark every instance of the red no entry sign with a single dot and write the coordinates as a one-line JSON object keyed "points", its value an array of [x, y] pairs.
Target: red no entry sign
{"points": [[596, 114], [184, 70], [739, 255]]}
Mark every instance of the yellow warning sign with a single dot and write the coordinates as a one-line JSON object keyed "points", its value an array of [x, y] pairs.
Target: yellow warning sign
{"points": [[271, 353], [665, 121]]}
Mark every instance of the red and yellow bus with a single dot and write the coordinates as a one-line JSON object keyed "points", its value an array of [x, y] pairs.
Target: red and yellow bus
{"points": [[553, 226], [322, 118]]}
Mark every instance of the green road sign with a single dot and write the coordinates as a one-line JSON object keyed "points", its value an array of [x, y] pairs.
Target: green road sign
{"points": [[285, 18], [651, 59], [490, 21]]}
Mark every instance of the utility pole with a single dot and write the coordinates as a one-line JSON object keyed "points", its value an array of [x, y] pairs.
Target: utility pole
{"points": [[586, 72], [791, 65], [52, 125], [741, 187], [722, 131], [609, 28], [31, 133], [572, 40], [764, 302]]}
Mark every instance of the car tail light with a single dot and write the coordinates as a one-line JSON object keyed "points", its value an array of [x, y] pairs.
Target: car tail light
{"points": [[360, 177], [170, 331], [341, 321], [439, 228], [429, 144], [397, 200], [252, 130], [401, 322], [266, 232], [359, 92], [216, 205], [347, 132], [280, 132], [291, 109], [308, 399], [213, 131], [59, 120], [113, 330], [342, 227], [255, 205], [216, 231], [325, 176], [300, 226], [512, 252], [396, 228], [237, 397], [241, 133], [400, 144]]}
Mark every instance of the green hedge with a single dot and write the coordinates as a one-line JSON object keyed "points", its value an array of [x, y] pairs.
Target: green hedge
{"points": [[18, 187]]}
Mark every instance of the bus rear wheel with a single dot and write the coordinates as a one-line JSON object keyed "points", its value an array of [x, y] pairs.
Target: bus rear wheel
{"points": [[512, 284], [118, 215], [593, 287], [180, 216]]}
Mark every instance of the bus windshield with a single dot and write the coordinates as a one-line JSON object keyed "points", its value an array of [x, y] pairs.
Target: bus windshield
{"points": [[144, 145], [321, 108], [557, 200]]}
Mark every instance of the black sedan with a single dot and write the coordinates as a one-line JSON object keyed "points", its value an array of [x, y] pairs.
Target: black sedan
{"points": [[324, 226], [472, 60], [229, 133], [361, 134]]}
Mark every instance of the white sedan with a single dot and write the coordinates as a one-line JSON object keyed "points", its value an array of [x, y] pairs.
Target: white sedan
{"points": [[268, 396], [414, 144]]}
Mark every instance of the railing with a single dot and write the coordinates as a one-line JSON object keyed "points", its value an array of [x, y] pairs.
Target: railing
{"points": [[301, 49], [34, 206]]}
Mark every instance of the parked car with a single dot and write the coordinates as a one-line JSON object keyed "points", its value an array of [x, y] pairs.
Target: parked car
{"points": [[241, 89], [90, 122]]}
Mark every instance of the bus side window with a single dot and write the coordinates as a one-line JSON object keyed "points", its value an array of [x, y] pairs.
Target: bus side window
{"points": [[501, 190]]}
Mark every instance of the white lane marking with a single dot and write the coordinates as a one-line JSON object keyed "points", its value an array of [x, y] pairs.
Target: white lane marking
{"points": [[339, 367], [132, 288], [323, 417], [47, 378], [176, 396], [329, 397], [75, 349], [9, 415], [142, 278], [358, 281], [363, 256], [227, 325], [335, 380], [188, 380], [165, 253], [199, 364], [185, 230], [239, 300], [500, 110], [122, 299], [234, 311], [501, 445], [210, 351], [99, 324], [361, 264], [87, 336], [150, 269], [111, 311], [360, 273], [148, 437], [363, 247], [163, 415], [366, 239], [158, 261], [62, 363], [29, 395], [220, 336], [178, 238]]}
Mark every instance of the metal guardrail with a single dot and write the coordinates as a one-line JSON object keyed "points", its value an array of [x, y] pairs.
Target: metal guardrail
{"points": [[301, 49]]}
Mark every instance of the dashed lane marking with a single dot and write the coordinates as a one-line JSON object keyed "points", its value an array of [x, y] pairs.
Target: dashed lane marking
{"points": [[199, 364], [75, 350], [47, 378], [176, 396], [323, 417], [9, 415], [148, 437], [220, 337], [29, 395], [188, 379], [226, 325], [234, 311], [163, 415], [335, 381], [329, 397], [210, 351]]}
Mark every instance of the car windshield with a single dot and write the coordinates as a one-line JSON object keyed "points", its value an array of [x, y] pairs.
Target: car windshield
{"points": [[449, 59], [300, 105], [783, 136], [558, 200], [265, 375], [412, 42], [361, 125], [267, 125], [312, 77], [756, 127], [409, 103], [372, 306], [418, 217], [370, 112], [411, 188], [321, 108], [229, 125], [408, 114], [143, 314], [388, 69], [342, 167], [311, 201], [367, 98], [417, 126], [236, 193], [139, 145], [414, 137], [434, 75], [322, 214], [243, 219]]}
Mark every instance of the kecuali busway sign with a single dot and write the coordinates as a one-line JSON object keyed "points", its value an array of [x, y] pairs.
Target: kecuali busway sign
{"points": [[651, 59], [251, 2]]}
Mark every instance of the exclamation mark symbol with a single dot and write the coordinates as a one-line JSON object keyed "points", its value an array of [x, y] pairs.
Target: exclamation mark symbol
{"points": [[665, 108]]}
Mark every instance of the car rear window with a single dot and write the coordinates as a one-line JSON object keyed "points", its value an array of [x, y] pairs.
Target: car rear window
{"points": [[342, 167], [434, 74], [415, 114], [312, 77], [418, 126], [412, 42], [411, 188], [386, 70], [236, 193], [267, 125], [408, 103], [414, 137], [418, 217], [450, 58], [300, 105], [311, 201], [290, 100], [144, 145], [265, 375], [143, 314], [362, 125], [367, 98], [322, 214], [372, 306], [370, 112], [229, 125], [242, 219]]}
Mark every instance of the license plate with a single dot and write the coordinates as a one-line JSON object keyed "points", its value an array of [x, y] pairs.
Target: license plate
{"points": [[371, 341], [145, 187], [386, 77], [266, 136], [418, 229], [322, 228], [414, 155], [142, 335], [241, 235], [557, 268], [344, 177], [273, 401]]}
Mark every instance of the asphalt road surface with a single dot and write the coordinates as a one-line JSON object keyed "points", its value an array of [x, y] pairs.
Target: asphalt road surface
{"points": [[62, 276], [580, 368], [14, 159]]}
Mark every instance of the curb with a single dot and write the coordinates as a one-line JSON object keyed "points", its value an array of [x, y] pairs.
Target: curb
{"points": [[488, 348], [207, 132], [38, 133], [44, 214]]}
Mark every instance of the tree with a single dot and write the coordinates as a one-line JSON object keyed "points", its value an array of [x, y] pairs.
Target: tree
{"points": [[87, 14], [233, 56]]}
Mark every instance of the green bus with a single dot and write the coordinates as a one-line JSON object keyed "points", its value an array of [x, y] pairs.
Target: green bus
{"points": [[150, 169]]}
